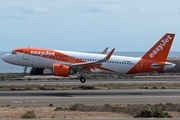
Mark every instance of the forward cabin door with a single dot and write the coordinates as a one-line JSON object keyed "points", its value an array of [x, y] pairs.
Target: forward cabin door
{"points": [[25, 55]]}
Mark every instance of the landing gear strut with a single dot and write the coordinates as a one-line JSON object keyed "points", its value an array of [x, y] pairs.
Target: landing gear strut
{"points": [[82, 79], [24, 73]]}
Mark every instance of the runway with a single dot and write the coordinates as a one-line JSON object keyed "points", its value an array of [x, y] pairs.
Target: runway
{"points": [[89, 97]]}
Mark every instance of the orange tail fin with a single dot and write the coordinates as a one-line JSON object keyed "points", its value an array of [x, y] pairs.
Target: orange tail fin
{"points": [[160, 50], [155, 58]]}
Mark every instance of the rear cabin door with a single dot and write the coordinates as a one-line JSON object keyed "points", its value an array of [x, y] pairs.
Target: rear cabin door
{"points": [[139, 65]]}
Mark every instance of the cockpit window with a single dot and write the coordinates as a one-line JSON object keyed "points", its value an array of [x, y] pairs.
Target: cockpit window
{"points": [[13, 53]]}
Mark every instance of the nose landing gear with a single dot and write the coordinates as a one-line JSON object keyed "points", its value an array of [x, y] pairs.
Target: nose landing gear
{"points": [[24, 73]]}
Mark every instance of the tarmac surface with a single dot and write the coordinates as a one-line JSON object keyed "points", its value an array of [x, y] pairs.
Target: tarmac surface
{"points": [[67, 97], [88, 96]]}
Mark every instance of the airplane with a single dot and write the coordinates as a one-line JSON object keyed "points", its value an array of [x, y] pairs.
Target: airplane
{"points": [[65, 63]]}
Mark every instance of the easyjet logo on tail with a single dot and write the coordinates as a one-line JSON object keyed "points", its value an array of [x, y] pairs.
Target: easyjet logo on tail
{"points": [[160, 46]]}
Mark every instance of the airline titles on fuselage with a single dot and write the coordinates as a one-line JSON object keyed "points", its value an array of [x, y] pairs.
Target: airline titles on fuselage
{"points": [[42, 53], [72, 59]]}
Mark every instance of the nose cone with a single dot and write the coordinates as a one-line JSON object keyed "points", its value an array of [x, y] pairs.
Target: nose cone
{"points": [[5, 58]]}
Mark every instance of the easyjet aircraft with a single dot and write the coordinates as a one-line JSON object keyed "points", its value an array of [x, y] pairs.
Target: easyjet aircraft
{"points": [[65, 63]]}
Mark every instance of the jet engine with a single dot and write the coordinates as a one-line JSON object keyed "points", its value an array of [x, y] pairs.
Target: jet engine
{"points": [[61, 70]]}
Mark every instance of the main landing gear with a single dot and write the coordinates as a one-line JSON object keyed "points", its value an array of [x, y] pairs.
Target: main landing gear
{"points": [[82, 79], [24, 73]]}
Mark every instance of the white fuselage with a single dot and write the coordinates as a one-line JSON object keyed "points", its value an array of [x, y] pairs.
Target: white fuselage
{"points": [[118, 64]]}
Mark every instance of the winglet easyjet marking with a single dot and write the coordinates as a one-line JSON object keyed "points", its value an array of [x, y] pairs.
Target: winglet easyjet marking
{"points": [[105, 50]]}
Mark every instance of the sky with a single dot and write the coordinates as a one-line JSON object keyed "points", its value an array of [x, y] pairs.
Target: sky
{"points": [[88, 25]]}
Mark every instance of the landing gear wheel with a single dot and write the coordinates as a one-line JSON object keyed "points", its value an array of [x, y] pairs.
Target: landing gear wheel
{"points": [[23, 74], [82, 79]]}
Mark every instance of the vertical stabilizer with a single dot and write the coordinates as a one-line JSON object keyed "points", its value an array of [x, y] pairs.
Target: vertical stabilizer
{"points": [[160, 50], [155, 58]]}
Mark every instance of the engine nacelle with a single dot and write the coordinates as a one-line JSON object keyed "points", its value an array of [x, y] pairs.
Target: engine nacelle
{"points": [[61, 70]]}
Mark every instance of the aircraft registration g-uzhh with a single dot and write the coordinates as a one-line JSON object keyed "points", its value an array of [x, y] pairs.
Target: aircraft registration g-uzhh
{"points": [[65, 63]]}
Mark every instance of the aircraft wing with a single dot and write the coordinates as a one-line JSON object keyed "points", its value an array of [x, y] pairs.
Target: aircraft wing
{"points": [[91, 65], [105, 50]]}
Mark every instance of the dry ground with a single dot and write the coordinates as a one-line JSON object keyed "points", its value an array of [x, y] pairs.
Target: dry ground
{"points": [[48, 112], [108, 86]]}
